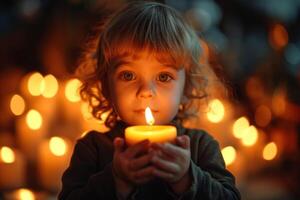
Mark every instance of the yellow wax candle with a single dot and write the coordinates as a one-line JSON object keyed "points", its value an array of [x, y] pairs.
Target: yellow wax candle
{"points": [[12, 168], [53, 159], [154, 133]]}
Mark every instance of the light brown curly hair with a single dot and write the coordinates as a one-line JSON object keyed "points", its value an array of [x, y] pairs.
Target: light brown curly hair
{"points": [[138, 27]]}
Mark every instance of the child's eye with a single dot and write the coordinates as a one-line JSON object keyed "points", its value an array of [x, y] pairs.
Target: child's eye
{"points": [[164, 77], [127, 76]]}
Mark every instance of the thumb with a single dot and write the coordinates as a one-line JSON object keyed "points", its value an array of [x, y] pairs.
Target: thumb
{"points": [[183, 141], [119, 145]]}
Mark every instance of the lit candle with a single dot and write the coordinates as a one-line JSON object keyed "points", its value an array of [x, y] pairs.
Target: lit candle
{"points": [[30, 132], [154, 133], [53, 159], [12, 168]]}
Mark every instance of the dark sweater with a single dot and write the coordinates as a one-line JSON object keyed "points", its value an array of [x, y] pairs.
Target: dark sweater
{"points": [[89, 175]]}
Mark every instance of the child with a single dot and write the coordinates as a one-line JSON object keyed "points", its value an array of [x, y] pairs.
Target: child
{"points": [[146, 55]]}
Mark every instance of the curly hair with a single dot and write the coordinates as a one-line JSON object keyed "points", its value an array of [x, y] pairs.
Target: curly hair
{"points": [[148, 27]]}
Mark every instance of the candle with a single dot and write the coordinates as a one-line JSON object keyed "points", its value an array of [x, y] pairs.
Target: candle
{"points": [[53, 159], [12, 168], [26, 194], [30, 132], [154, 133]]}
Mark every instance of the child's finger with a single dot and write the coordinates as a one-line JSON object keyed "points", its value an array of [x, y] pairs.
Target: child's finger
{"points": [[138, 148], [165, 165], [140, 162], [145, 172], [183, 141], [169, 149], [143, 180], [163, 174], [119, 145]]}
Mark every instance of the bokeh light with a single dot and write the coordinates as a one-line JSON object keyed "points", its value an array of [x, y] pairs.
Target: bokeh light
{"points": [[270, 151], [250, 136], [240, 126], [34, 84], [229, 154], [49, 86], [72, 90], [25, 194], [17, 105], [7, 155], [58, 146], [278, 36], [216, 111], [34, 119], [263, 115]]}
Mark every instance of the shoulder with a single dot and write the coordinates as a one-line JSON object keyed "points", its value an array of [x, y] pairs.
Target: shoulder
{"points": [[95, 141], [95, 138]]}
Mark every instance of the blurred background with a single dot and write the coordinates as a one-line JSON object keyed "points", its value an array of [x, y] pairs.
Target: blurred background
{"points": [[253, 46]]}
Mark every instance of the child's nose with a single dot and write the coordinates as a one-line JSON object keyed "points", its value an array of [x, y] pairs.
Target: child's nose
{"points": [[146, 90]]}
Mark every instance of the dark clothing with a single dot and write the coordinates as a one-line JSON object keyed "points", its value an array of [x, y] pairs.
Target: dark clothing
{"points": [[89, 175]]}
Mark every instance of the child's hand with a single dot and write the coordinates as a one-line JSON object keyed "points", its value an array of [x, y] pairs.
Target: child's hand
{"points": [[172, 162], [132, 164]]}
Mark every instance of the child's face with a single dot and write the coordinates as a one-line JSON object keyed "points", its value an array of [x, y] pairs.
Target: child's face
{"points": [[146, 82]]}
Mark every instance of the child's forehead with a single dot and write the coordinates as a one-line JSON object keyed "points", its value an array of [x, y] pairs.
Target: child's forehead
{"points": [[162, 59]]}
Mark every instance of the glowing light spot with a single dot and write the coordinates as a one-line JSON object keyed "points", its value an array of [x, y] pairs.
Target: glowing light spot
{"points": [[263, 116], [270, 151], [279, 103], [7, 155], [34, 84], [34, 119], [278, 36], [25, 194], [49, 86], [149, 117], [17, 105], [72, 90], [250, 136], [57, 146], [229, 154], [216, 111], [239, 127]]}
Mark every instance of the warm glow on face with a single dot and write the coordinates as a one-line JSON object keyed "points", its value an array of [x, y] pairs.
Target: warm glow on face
{"points": [[270, 151], [216, 111], [35, 84], [229, 154], [263, 116], [7, 155], [25, 194], [250, 136], [278, 36], [17, 105], [57, 146], [34, 119], [149, 117], [49, 86], [239, 127], [72, 90]]}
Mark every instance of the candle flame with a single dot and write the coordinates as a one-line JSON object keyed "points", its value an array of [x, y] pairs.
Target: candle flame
{"points": [[149, 117]]}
